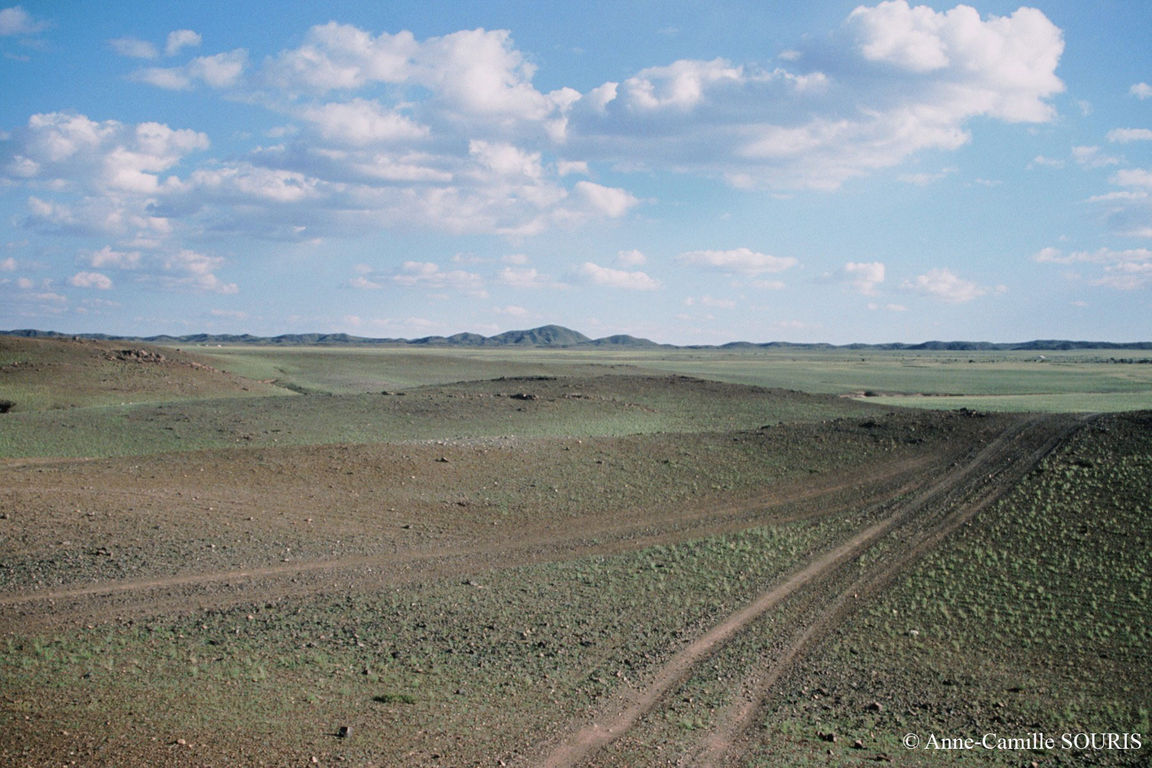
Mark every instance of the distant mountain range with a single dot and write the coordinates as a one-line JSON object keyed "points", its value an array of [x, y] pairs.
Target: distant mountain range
{"points": [[559, 337]]}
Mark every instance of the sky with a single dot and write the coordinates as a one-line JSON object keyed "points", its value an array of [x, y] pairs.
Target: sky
{"points": [[688, 172]]}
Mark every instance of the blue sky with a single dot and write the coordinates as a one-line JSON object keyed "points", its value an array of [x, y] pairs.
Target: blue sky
{"points": [[688, 172]]}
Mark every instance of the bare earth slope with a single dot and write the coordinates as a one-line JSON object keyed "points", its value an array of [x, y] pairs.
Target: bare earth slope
{"points": [[38, 374]]}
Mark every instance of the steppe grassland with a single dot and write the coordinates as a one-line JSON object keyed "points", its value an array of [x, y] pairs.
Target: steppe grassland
{"points": [[1030, 378], [456, 667]]}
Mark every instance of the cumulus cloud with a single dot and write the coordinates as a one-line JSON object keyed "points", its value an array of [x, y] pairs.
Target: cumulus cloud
{"points": [[222, 70], [91, 280], [478, 73], [864, 276], [631, 258], [924, 179], [1127, 269], [740, 260], [610, 201], [1133, 177], [134, 48], [450, 132], [107, 257], [529, 277], [945, 285], [1125, 135], [1141, 91], [16, 21], [617, 278], [361, 122], [192, 270], [709, 301], [180, 39], [1127, 211], [423, 274], [66, 149], [897, 80], [1090, 157]]}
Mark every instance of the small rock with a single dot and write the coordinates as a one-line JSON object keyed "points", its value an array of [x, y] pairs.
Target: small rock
{"points": [[343, 731], [828, 737], [857, 744], [876, 707]]}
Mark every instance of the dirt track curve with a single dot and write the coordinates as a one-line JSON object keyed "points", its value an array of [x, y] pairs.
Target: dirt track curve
{"points": [[921, 520], [605, 535]]}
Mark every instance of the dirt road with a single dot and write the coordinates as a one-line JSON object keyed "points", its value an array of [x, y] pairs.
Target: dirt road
{"points": [[922, 520]]}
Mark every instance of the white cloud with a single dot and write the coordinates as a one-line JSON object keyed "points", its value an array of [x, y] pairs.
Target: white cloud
{"points": [[106, 257], [364, 283], [1090, 157], [1126, 276], [451, 133], [897, 80], [62, 148], [1125, 135], [617, 278], [887, 307], [223, 70], [1125, 270], [907, 37], [631, 258], [678, 86], [16, 21], [526, 278], [1133, 177], [1045, 162], [1107, 255], [477, 73], [945, 285], [609, 201], [506, 160], [220, 71], [741, 260], [1141, 90], [91, 280], [709, 301], [252, 183], [511, 310], [171, 79], [180, 39], [864, 276], [8, 265], [423, 274], [360, 122], [134, 48], [924, 179], [191, 270], [568, 167]]}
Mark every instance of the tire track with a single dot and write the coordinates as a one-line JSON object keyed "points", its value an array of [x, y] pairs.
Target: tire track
{"points": [[608, 535], [960, 481], [736, 720]]}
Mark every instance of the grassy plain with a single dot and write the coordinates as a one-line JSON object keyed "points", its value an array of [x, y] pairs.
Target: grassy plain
{"points": [[487, 557]]}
